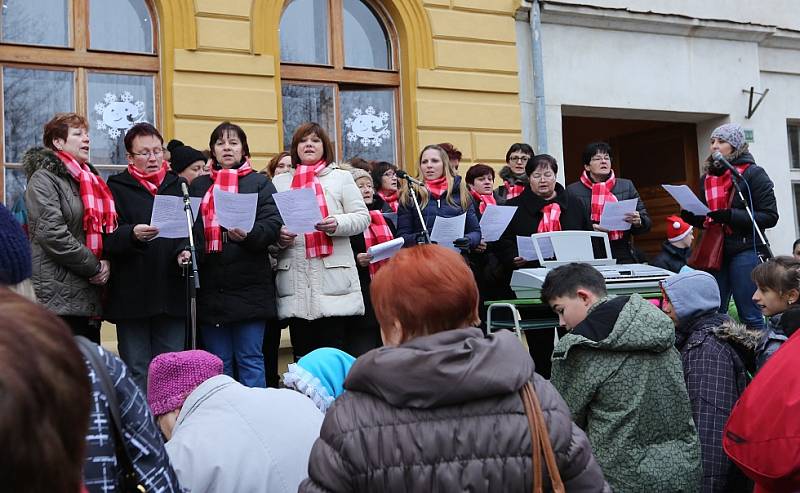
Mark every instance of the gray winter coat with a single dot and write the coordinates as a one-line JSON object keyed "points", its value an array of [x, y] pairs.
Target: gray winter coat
{"points": [[443, 413], [62, 264]]}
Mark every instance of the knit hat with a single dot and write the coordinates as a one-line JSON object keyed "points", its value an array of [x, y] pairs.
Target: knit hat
{"points": [[320, 375], [677, 228], [183, 156], [174, 143], [691, 294], [173, 376], [731, 133], [15, 250]]}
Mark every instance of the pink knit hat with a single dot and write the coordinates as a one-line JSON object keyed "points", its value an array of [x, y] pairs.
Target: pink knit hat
{"points": [[173, 376]]}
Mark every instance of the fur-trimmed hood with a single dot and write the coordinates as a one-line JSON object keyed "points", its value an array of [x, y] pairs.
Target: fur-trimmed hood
{"points": [[507, 175], [37, 158], [737, 333]]}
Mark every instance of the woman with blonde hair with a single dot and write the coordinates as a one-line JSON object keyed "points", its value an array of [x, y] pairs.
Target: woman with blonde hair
{"points": [[444, 195]]}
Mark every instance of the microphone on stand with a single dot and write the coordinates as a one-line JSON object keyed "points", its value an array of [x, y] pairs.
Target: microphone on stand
{"points": [[719, 158], [185, 191], [402, 174]]}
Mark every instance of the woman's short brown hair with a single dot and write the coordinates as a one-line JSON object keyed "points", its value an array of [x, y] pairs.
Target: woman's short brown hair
{"points": [[305, 130], [58, 127], [44, 399], [426, 289], [221, 131], [273, 163]]}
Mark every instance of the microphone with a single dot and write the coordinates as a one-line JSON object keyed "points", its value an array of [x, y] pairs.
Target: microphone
{"points": [[402, 174], [185, 190], [718, 158]]}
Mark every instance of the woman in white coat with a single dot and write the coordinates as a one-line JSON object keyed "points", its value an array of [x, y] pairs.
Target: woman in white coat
{"points": [[317, 280]]}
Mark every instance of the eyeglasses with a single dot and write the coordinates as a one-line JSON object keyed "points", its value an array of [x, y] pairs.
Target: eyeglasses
{"points": [[389, 174], [156, 153], [523, 159], [605, 157], [546, 176]]}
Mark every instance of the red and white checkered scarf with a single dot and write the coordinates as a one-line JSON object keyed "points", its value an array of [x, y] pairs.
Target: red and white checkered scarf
{"points": [[226, 180], [551, 218], [437, 187], [318, 244], [99, 213], [601, 193], [378, 232], [391, 199], [151, 181], [718, 190], [513, 190], [483, 200]]}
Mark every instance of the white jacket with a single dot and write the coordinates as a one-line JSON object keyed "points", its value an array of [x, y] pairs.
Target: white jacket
{"points": [[230, 438], [312, 288]]}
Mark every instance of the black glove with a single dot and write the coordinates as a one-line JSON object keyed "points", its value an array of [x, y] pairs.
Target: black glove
{"points": [[721, 216], [461, 243], [693, 219]]}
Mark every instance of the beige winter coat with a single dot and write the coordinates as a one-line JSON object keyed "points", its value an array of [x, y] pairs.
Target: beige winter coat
{"points": [[328, 286]]}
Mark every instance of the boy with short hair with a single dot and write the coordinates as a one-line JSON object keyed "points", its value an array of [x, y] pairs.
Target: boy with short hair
{"points": [[621, 376]]}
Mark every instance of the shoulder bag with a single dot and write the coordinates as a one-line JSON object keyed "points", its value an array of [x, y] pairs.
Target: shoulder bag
{"points": [[540, 441]]}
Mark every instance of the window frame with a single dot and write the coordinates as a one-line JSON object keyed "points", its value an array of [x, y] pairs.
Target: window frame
{"points": [[337, 75], [79, 59], [794, 173]]}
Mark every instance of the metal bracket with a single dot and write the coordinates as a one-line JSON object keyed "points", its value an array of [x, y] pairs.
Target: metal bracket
{"points": [[750, 108]]}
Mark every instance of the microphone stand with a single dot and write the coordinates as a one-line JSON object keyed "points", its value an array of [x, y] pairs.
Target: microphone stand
{"points": [[425, 236], [193, 280], [761, 236]]}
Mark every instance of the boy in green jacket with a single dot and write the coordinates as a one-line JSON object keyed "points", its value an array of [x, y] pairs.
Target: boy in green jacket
{"points": [[621, 376]]}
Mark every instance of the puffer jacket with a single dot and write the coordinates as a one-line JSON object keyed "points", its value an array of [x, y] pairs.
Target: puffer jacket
{"points": [[313, 288], [62, 264], [621, 376], [428, 416]]}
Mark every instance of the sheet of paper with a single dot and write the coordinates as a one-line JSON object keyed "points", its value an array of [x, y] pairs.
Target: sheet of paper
{"points": [[613, 217], [684, 196], [495, 220], [385, 250], [169, 217], [299, 210], [235, 210], [448, 229], [525, 248], [546, 247]]}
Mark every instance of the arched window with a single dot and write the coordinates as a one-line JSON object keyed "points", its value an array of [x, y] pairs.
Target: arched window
{"points": [[339, 68], [98, 58]]}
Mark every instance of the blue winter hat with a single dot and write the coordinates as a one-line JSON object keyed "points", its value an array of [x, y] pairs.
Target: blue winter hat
{"points": [[691, 294], [15, 251], [320, 375]]}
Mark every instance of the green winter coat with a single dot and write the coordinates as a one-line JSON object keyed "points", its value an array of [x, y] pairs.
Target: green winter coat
{"points": [[621, 377]]}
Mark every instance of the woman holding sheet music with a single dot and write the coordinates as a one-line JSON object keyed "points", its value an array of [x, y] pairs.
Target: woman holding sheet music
{"points": [[237, 293], [317, 282], [543, 206], [145, 293]]}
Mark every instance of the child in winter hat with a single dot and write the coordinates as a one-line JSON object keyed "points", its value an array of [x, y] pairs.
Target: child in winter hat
{"points": [[320, 375], [173, 376]]}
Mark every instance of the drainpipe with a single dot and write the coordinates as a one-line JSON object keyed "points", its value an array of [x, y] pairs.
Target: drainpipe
{"points": [[538, 78], [530, 60]]}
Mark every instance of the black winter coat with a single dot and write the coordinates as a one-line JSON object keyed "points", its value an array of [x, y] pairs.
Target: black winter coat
{"points": [[146, 280], [528, 216], [671, 257], [237, 284], [765, 208], [621, 249]]}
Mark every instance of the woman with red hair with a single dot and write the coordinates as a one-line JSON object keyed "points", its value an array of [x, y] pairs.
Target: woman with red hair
{"points": [[439, 377]]}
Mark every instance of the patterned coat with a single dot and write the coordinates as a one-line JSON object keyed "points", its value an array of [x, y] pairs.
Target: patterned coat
{"points": [[621, 377]]}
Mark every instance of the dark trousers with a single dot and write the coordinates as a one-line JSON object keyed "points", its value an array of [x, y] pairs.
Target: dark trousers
{"points": [[83, 326], [271, 348], [142, 339], [308, 335]]}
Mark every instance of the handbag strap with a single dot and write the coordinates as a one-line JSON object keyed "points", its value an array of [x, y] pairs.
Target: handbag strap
{"points": [[540, 442]]}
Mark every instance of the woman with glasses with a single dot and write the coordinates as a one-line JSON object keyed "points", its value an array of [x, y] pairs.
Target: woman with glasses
{"points": [[543, 206], [384, 176], [597, 185], [515, 180], [146, 297]]}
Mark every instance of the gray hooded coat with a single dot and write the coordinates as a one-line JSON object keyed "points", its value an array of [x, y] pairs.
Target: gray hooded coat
{"points": [[443, 413]]}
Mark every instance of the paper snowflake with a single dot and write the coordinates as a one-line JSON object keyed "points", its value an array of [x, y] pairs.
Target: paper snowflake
{"points": [[367, 127], [118, 114]]}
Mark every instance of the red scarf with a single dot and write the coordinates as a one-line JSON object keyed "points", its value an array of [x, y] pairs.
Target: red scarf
{"points": [[152, 181], [484, 200], [99, 213], [318, 244], [601, 193], [226, 180], [437, 187], [718, 190], [378, 232], [391, 199], [551, 218], [513, 190]]}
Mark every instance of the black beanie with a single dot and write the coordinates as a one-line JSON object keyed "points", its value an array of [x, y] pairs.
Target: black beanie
{"points": [[183, 156], [15, 250]]}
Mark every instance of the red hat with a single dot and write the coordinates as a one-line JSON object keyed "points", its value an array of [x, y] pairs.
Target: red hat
{"points": [[677, 228]]}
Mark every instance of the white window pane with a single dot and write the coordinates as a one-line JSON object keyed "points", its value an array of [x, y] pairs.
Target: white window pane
{"points": [[794, 144], [366, 44], [36, 22], [120, 25], [304, 32], [307, 103], [14, 183], [31, 99], [368, 118], [116, 103]]}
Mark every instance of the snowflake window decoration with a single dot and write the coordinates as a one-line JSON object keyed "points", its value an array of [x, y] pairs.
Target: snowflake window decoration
{"points": [[368, 127], [118, 114]]}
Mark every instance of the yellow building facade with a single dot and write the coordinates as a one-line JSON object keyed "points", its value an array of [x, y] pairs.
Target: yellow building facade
{"points": [[454, 66]]}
